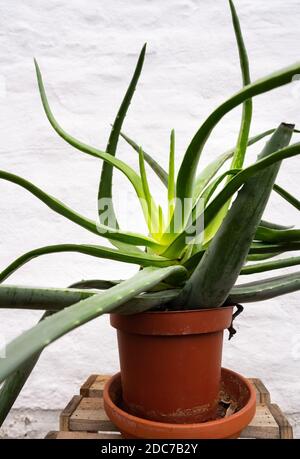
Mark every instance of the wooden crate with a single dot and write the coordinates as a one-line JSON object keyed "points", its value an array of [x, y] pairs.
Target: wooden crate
{"points": [[84, 416]]}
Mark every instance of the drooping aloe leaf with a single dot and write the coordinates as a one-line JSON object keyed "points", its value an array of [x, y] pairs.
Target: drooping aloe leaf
{"points": [[13, 385], [270, 265], [265, 289], [239, 179], [151, 208], [262, 256], [185, 178], [160, 172], [271, 248], [111, 160], [142, 258], [41, 298], [216, 273], [148, 301], [273, 235], [272, 225], [105, 186], [37, 338], [99, 284], [287, 196], [90, 225]]}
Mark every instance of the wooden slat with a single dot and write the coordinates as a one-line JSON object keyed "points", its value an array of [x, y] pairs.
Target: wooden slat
{"points": [[82, 436], [64, 419], [84, 416], [263, 425], [262, 393], [94, 385], [285, 428], [89, 415]]}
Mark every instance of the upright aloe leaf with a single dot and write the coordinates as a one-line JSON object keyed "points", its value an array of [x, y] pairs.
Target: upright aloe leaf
{"points": [[37, 338], [105, 186], [221, 264], [242, 142], [159, 171], [239, 154], [171, 176], [151, 208], [208, 172]]}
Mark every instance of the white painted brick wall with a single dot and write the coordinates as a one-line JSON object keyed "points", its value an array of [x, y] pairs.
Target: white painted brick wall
{"points": [[87, 51]]}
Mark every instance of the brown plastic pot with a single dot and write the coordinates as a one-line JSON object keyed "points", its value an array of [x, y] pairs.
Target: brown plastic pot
{"points": [[239, 389], [171, 363]]}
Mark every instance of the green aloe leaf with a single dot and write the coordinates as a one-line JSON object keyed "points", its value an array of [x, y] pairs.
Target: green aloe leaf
{"points": [[269, 248], [185, 178], [105, 186], [273, 235], [216, 273], [132, 176], [270, 265], [41, 298], [99, 284], [13, 385], [151, 209], [240, 151], [149, 301], [160, 172], [142, 258], [242, 142], [205, 197], [211, 188], [265, 289], [171, 177], [213, 168], [287, 196], [37, 338], [272, 225], [208, 172], [90, 225], [262, 256], [235, 183]]}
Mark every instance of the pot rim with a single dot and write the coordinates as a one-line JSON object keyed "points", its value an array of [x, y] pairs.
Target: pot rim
{"points": [[234, 423], [182, 322]]}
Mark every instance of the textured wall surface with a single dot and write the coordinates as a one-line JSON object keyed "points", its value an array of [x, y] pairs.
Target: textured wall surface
{"points": [[87, 51]]}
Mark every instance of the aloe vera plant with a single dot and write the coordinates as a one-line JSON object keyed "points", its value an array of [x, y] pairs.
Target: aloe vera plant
{"points": [[180, 267]]}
